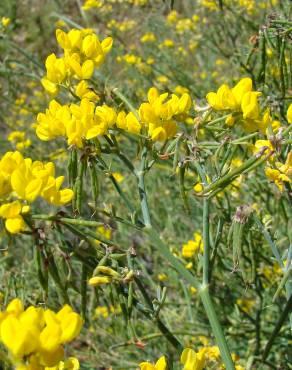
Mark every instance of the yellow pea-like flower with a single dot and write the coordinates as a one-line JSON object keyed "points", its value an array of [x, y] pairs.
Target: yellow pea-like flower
{"points": [[35, 337], [128, 122], [289, 114], [15, 306], [193, 360], [161, 364], [250, 106], [71, 326], [99, 280], [241, 88], [82, 90], [223, 99], [20, 338], [11, 212]]}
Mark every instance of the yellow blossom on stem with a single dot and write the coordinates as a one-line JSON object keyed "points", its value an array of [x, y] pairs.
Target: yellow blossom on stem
{"points": [[161, 364], [35, 337], [193, 360], [289, 114], [5, 21]]}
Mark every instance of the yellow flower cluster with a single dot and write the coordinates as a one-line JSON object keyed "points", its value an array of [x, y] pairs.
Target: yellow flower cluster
{"points": [[104, 275], [281, 173], [122, 26], [182, 24], [209, 355], [148, 37], [104, 311], [246, 304], [26, 179], [158, 115], [84, 121], [243, 104], [19, 139], [250, 6], [35, 337], [82, 53], [193, 246], [89, 4], [271, 273], [75, 121], [130, 59]]}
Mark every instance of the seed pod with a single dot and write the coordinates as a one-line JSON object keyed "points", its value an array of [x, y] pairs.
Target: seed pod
{"points": [[41, 270], [95, 186], [72, 166], [78, 188], [105, 270]]}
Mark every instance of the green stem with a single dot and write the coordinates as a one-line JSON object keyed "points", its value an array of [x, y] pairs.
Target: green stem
{"points": [[206, 242], [83, 290], [204, 294], [216, 328], [251, 163], [142, 191]]}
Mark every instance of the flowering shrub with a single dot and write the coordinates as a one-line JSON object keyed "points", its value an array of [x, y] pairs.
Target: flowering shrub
{"points": [[170, 124]]}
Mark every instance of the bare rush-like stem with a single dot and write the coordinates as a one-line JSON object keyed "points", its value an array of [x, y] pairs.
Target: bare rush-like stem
{"points": [[206, 242], [186, 274], [142, 191], [205, 295]]}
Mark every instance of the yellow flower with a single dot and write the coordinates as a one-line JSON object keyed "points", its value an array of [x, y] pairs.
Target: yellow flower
{"points": [[29, 180], [104, 231], [82, 90], [128, 122], [82, 53], [289, 114], [148, 37], [11, 212], [162, 277], [101, 311], [35, 337], [159, 115], [193, 360], [193, 290], [82, 71], [168, 43], [71, 363], [260, 144], [89, 4], [52, 194], [5, 21], [240, 99], [246, 304], [279, 176], [249, 105], [193, 246], [118, 177], [181, 90], [53, 122], [198, 188], [222, 100], [161, 364], [99, 280]]}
